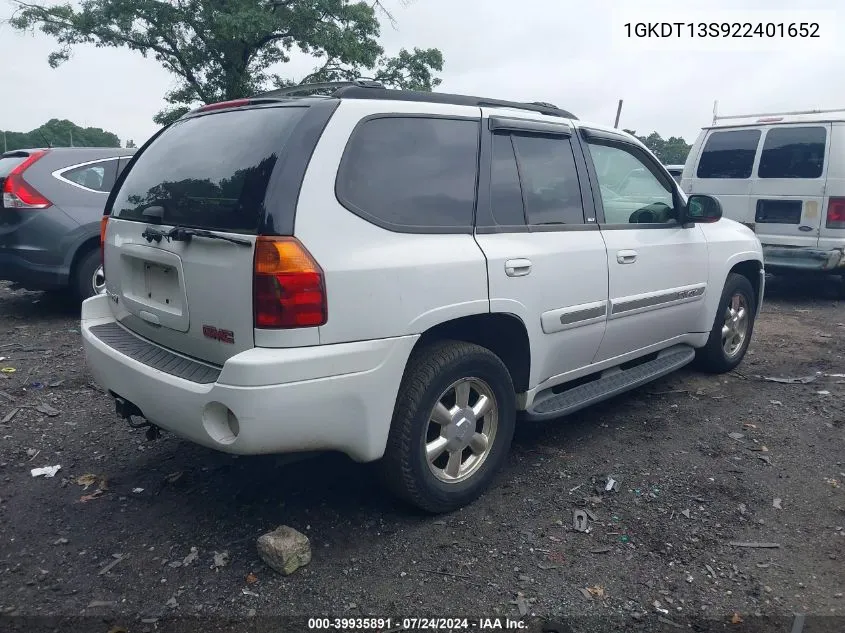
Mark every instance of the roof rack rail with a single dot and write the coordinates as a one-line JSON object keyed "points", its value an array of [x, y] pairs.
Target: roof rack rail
{"points": [[290, 91], [723, 117], [359, 92]]}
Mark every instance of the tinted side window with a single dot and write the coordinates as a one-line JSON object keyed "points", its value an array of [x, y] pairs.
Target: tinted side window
{"points": [[96, 176], [793, 152], [411, 172], [549, 180], [729, 154], [122, 164], [630, 192], [505, 191]]}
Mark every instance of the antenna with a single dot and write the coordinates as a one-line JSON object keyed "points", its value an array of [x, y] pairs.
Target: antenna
{"points": [[715, 111], [618, 112]]}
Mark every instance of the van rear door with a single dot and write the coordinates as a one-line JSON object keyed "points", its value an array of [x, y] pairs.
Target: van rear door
{"points": [[191, 290], [788, 187]]}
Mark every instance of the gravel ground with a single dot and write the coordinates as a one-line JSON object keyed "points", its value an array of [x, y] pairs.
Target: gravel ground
{"points": [[702, 461]]}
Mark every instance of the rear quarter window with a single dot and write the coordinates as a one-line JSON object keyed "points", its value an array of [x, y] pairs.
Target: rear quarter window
{"points": [[99, 176], [209, 171], [412, 173], [729, 154], [793, 152]]}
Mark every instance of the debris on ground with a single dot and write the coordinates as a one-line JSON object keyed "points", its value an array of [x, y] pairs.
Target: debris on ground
{"points": [[777, 403], [46, 471], [521, 605], [736, 618], [597, 591], [796, 380], [736, 436], [172, 604], [765, 458], [251, 578], [686, 513], [710, 571], [94, 495], [756, 544], [137, 491], [173, 477], [247, 592], [117, 559], [8, 417], [659, 607], [221, 559], [191, 557], [284, 549], [89, 480], [46, 409], [611, 484], [777, 503], [579, 521], [742, 508], [601, 550], [8, 370], [586, 593]]}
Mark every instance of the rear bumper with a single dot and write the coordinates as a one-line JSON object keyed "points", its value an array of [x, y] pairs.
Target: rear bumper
{"points": [[785, 258], [328, 397], [18, 269]]}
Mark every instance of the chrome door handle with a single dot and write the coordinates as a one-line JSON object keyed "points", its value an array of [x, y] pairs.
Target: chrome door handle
{"points": [[517, 267], [626, 257]]}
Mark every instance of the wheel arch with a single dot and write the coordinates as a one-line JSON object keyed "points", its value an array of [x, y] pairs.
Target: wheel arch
{"points": [[503, 334]]}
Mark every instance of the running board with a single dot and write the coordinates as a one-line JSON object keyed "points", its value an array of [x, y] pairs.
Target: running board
{"points": [[549, 405]]}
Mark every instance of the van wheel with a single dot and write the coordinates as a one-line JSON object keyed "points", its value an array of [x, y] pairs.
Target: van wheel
{"points": [[88, 279], [732, 328], [452, 426]]}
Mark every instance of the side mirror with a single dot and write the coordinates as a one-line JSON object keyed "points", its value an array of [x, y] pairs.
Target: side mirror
{"points": [[701, 209]]}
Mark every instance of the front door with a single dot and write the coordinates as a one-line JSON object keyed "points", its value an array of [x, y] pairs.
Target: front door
{"points": [[546, 259], [657, 268]]}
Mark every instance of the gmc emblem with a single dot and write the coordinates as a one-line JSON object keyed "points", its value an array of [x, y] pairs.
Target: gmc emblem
{"points": [[224, 336]]}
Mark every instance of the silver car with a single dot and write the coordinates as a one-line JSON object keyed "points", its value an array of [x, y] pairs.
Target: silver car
{"points": [[50, 212]]}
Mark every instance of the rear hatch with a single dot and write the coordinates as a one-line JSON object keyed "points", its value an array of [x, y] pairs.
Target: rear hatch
{"points": [[178, 249]]}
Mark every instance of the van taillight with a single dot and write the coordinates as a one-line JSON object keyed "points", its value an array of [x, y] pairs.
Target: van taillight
{"points": [[289, 289], [836, 213], [18, 193]]}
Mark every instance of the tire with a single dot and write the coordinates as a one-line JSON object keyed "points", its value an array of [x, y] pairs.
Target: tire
{"points": [[714, 358], [82, 283], [430, 378]]}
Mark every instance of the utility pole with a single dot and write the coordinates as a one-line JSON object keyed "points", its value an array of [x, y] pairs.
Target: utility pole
{"points": [[71, 137], [618, 113], [4, 142]]}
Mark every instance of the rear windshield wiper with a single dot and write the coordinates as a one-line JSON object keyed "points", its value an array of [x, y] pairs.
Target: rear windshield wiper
{"points": [[183, 234]]}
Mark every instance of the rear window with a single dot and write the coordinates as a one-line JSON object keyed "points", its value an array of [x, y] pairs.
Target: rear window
{"points": [[729, 154], [793, 152], [8, 163], [209, 171], [411, 173]]}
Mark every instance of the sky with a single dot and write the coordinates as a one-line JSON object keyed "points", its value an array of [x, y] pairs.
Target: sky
{"points": [[574, 54]]}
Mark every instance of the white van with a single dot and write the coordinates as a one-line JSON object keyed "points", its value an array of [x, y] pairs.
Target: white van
{"points": [[782, 175]]}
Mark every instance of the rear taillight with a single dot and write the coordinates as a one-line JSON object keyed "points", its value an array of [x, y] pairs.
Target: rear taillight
{"points": [[289, 289], [104, 223], [18, 193], [836, 213]]}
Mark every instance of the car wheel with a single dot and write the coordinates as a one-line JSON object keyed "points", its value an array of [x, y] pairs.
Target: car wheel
{"points": [[732, 328], [89, 279], [452, 426]]}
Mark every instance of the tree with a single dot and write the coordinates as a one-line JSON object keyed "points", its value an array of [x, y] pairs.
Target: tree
{"points": [[58, 133], [228, 49], [669, 152]]}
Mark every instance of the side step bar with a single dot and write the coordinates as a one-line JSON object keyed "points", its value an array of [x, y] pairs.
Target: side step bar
{"points": [[549, 405]]}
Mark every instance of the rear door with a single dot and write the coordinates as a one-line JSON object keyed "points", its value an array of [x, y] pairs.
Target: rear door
{"points": [[209, 172], [545, 255], [787, 192], [724, 169]]}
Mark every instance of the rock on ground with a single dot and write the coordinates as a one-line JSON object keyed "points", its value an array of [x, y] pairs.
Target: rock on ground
{"points": [[285, 549]]}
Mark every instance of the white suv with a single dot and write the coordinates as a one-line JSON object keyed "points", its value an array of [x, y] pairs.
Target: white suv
{"points": [[400, 276]]}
